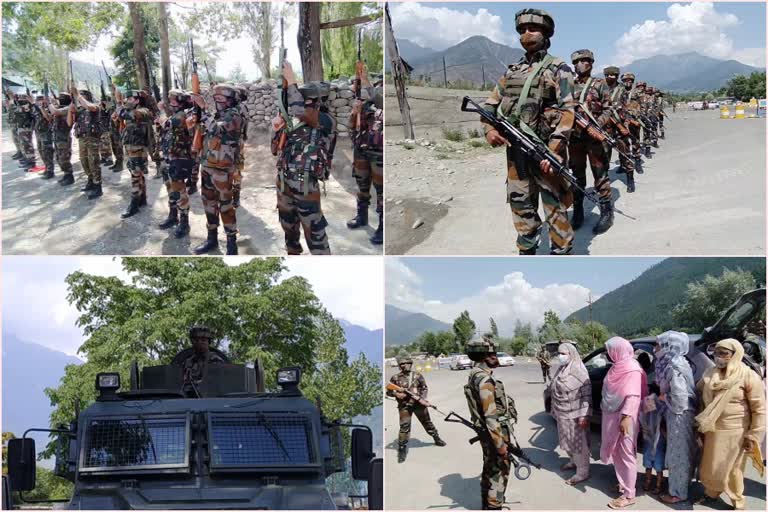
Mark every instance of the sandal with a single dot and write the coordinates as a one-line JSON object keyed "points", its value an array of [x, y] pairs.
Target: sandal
{"points": [[671, 500], [621, 502], [568, 466], [647, 485], [575, 481], [657, 490]]}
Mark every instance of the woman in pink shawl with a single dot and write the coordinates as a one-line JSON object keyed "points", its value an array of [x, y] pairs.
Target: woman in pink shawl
{"points": [[624, 389]]}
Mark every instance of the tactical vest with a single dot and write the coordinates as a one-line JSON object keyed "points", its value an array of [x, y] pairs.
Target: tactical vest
{"points": [[105, 119], [539, 96], [87, 123], [221, 145], [24, 117], [505, 405], [137, 127], [12, 114], [370, 136], [307, 151], [42, 125], [179, 139], [61, 129]]}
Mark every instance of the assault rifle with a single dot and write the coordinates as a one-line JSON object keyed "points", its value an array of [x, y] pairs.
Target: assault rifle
{"points": [[111, 86], [210, 79], [532, 149], [598, 134], [391, 386], [153, 82], [359, 76], [26, 86], [101, 87], [197, 140], [282, 86]]}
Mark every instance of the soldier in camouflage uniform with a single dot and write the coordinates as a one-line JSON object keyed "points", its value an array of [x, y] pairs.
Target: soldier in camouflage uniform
{"points": [[642, 100], [25, 121], [536, 94], [85, 114], [115, 137], [632, 107], [493, 412], [659, 102], [139, 142], [44, 131], [105, 148], [592, 96], [12, 108], [407, 406], [195, 366], [368, 154], [303, 161], [544, 359], [617, 105], [237, 180], [176, 149], [221, 145], [62, 136]]}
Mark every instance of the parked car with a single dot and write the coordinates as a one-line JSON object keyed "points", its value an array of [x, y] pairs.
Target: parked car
{"points": [[444, 362], [460, 362], [701, 352], [505, 359]]}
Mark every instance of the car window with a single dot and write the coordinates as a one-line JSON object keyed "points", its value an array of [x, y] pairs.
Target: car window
{"points": [[598, 361], [736, 318]]}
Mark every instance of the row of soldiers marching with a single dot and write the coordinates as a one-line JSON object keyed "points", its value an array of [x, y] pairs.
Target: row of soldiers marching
{"points": [[186, 140]]}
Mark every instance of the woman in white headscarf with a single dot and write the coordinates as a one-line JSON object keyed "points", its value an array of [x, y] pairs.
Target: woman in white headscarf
{"points": [[679, 395], [571, 393], [732, 423]]}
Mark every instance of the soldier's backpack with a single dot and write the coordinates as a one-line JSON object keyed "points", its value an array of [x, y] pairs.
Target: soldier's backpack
{"points": [[372, 138], [473, 401]]}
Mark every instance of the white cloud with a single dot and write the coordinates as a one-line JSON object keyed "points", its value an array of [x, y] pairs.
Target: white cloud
{"points": [[441, 27], [695, 27], [514, 298]]}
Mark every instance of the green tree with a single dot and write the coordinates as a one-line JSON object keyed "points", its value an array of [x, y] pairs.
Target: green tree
{"points": [[7, 436], [552, 329], [707, 299], [463, 328], [494, 328], [589, 336], [260, 314], [236, 75], [122, 47]]}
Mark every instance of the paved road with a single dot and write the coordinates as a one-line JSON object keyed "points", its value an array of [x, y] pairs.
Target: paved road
{"points": [[702, 192], [41, 217], [449, 477]]}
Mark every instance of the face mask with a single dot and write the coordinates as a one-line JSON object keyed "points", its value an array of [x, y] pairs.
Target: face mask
{"points": [[532, 41], [563, 358], [720, 362], [583, 68]]}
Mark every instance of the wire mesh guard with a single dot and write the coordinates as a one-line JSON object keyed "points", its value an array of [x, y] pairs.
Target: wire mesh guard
{"points": [[116, 443], [260, 441]]}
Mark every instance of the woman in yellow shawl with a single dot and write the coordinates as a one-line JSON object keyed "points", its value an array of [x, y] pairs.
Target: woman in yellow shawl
{"points": [[732, 423]]}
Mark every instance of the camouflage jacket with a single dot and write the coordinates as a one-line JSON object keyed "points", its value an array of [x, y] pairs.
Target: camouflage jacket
{"points": [[138, 127], [497, 410], [43, 126], [61, 129], [594, 98], [25, 116], [12, 108], [194, 366], [176, 138], [87, 123], [369, 136], [223, 131], [412, 381], [548, 108]]}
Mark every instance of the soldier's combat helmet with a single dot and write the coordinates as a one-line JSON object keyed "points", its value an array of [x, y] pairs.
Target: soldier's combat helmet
{"points": [[378, 97], [228, 91], [181, 97], [628, 76], [535, 17], [611, 70], [582, 54], [242, 93], [64, 99], [640, 84], [404, 360], [139, 94], [478, 348], [200, 331], [86, 94], [310, 91]]}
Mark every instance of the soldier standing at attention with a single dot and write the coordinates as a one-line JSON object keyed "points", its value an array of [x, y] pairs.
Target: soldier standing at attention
{"points": [[536, 94], [12, 108], [88, 132], [368, 151], [25, 121], [139, 140], [105, 147], [62, 136], [237, 181], [632, 106], [407, 406], [617, 104], [195, 366], [493, 412], [543, 358], [592, 97], [44, 130]]}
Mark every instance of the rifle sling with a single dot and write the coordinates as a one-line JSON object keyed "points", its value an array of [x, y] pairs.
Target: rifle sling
{"points": [[515, 117]]}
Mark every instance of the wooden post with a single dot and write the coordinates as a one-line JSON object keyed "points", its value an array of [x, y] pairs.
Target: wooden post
{"points": [[482, 66], [398, 75], [165, 54], [445, 74], [309, 41]]}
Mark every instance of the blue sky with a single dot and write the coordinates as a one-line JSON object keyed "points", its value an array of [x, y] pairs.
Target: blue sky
{"points": [[508, 289], [618, 32]]}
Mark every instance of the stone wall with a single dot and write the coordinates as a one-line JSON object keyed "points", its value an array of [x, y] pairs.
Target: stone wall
{"points": [[263, 97]]}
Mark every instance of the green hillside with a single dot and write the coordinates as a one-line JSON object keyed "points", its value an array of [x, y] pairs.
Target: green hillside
{"points": [[647, 302]]}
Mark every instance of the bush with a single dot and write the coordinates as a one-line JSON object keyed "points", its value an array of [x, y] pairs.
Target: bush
{"points": [[454, 135], [477, 143], [474, 133]]}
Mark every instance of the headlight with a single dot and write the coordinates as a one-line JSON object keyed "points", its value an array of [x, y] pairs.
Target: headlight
{"points": [[289, 376], [107, 381]]}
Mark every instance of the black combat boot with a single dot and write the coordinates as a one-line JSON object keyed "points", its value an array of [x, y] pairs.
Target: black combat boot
{"points": [[172, 220], [630, 183], [95, 192], [662, 134], [191, 187], [528, 252], [438, 441], [88, 186], [108, 161], [25, 165], [402, 452], [648, 151], [378, 235], [67, 179], [639, 164], [211, 243], [577, 219], [235, 198], [606, 218], [48, 174], [620, 170], [133, 208], [361, 219], [231, 244], [17, 155], [182, 229], [117, 166], [143, 199]]}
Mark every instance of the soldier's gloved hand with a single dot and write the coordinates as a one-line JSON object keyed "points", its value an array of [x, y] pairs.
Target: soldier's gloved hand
{"points": [[495, 139]]}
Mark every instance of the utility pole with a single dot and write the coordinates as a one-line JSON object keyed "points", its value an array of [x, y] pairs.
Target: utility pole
{"points": [[589, 301], [445, 74], [398, 75], [482, 67]]}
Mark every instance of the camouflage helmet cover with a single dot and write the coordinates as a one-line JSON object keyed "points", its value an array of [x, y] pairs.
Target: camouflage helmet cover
{"points": [[640, 84], [179, 95], [310, 90], [628, 76], [378, 97], [226, 90], [484, 345], [582, 54], [535, 17], [404, 360], [611, 70], [200, 331]]}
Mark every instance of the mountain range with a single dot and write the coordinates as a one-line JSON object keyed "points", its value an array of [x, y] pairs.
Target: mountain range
{"points": [[648, 301], [467, 60], [403, 327]]}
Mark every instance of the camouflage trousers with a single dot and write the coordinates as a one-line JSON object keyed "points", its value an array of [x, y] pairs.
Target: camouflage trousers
{"points": [[45, 148], [525, 184], [636, 146], [105, 146], [137, 164], [27, 146], [585, 149], [117, 145], [494, 478], [16, 139], [627, 164], [64, 156], [298, 204], [369, 168], [217, 198], [406, 414], [89, 157], [175, 174], [237, 183]]}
